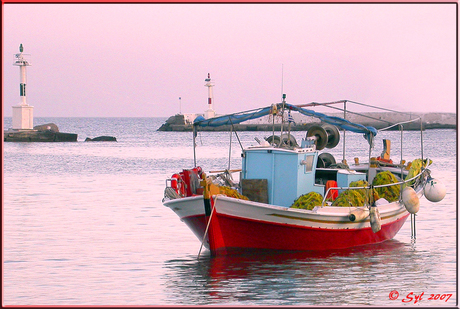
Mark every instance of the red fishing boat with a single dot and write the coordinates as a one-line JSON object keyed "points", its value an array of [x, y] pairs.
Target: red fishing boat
{"points": [[292, 197]]}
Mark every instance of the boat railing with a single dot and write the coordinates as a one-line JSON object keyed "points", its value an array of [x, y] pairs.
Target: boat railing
{"points": [[400, 123], [422, 172]]}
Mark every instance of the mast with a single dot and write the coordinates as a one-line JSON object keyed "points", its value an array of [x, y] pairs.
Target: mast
{"points": [[344, 131], [194, 144]]}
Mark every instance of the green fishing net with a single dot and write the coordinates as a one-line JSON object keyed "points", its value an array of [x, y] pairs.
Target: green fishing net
{"points": [[349, 198], [308, 201], [415, 169], [390, 193], [366, 193]]}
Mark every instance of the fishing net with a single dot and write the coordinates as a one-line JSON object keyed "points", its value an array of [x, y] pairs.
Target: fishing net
{"points": [[227, 191], [366, 193], [415, 169], [390, 193], [349, 198], [308, 201]]}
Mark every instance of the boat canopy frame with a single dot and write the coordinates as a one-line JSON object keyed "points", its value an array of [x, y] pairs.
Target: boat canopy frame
{"points": [[368, 132]]}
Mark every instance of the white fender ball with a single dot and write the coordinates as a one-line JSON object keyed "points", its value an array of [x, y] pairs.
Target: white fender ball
{"points": [[434, 190], [410, 200]]}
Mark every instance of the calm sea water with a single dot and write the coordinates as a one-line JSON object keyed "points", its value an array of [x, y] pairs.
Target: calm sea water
{"points": [[83, 224]]}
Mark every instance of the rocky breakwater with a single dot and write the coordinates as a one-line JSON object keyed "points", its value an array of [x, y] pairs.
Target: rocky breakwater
{"points": [[42, 133], [179, 123], [429, 120], [103, 138]]}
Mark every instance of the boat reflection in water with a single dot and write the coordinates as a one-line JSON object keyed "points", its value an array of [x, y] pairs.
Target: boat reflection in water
{"points": [[291, 278]]}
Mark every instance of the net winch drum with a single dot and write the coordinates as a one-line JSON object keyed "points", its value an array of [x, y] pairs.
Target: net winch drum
{"points": [[326, 135], [325, 160], [275, 139], [333, 135]]}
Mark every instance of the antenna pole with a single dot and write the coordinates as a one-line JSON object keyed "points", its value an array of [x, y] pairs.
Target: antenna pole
{"points": [[194, 144], [345, 117], [282, 79]]}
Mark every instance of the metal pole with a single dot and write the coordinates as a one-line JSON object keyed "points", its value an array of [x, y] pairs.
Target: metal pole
{"points": [[236, 134], [289, 133], [282, 120], [194, 146], [421, 135], [370, 151], [230, 148], [412, 216], [344, 117], [401, 128]]}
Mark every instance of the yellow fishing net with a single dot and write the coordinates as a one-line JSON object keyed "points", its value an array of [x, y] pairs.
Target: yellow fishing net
{"points": [[390, 193], [415, 169], [366, 193], [231, 192], [308, 201], [349, 198]]}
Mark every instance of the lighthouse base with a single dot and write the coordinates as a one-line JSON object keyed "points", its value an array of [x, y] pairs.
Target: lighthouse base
{"points": [[23, 117], [210, 113]]}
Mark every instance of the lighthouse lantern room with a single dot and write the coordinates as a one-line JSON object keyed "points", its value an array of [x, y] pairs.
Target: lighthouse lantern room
{"points": [[23, 118]]}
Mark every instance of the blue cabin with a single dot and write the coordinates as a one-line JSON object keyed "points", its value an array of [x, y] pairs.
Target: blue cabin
{"points": [[290, 173]]}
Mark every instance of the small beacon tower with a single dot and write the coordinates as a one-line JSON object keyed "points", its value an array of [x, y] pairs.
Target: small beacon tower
{"points": [[209, 113], [23, 118]]}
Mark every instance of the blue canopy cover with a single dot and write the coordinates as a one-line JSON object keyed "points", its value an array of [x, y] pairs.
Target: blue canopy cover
{"points": [[369, 132]]}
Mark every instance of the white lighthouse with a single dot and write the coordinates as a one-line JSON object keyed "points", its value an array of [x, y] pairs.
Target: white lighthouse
{"points": [[209, 113], [23, 118]]}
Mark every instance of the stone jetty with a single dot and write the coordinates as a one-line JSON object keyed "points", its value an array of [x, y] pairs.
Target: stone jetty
{"points": [[42, 133], [181, 123]]}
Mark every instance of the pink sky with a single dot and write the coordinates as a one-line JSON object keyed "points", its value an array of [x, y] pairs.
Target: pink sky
{"points": [[136, 60]]}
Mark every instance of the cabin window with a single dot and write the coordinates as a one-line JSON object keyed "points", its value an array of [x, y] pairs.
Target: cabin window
{"points": [[308, 163]]}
